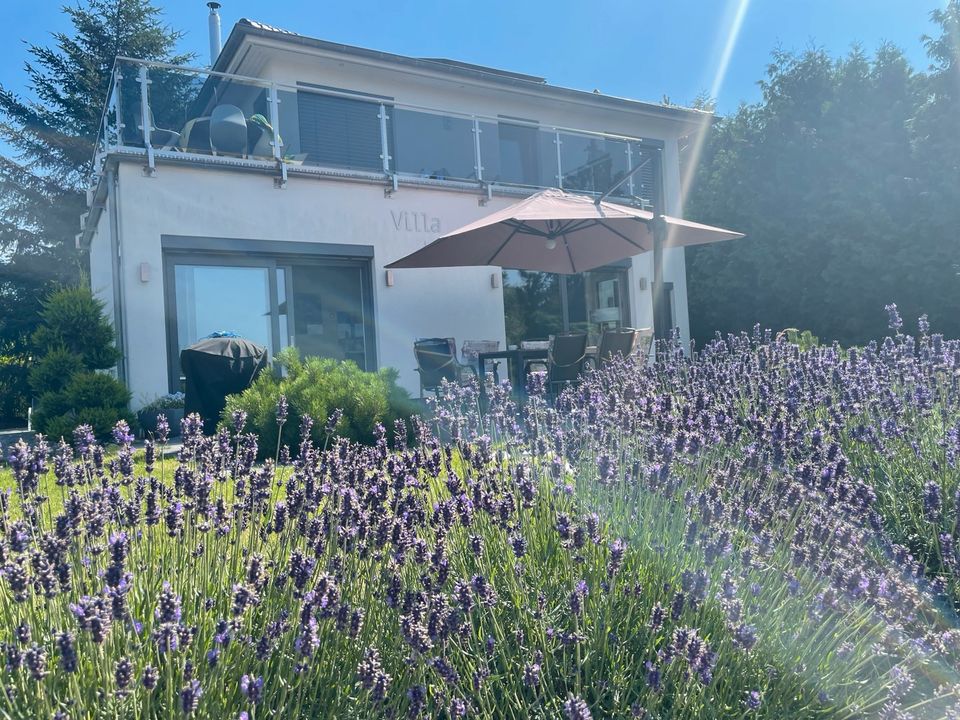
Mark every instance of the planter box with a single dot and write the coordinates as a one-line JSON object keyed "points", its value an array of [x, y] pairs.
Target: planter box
{"points": [[148, 420]]}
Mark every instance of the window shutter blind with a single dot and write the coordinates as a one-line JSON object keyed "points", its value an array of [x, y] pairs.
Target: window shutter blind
{"points": [[339, 132]]}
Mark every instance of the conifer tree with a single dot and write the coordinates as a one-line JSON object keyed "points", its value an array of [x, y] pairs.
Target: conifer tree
{"points": [[51, 127]]}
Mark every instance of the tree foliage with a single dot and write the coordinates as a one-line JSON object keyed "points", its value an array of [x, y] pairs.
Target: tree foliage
{"points": [[846, 179], [75, 340], [51, 128]]}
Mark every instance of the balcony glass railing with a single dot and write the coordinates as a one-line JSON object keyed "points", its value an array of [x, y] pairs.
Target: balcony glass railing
{"points": [[160, 108]]}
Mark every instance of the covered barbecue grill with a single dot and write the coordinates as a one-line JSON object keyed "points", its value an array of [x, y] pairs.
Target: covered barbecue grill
{"points": [[215, 367]]}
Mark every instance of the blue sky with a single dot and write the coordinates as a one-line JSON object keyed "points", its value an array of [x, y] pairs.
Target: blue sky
{"points": [[636, 48]]}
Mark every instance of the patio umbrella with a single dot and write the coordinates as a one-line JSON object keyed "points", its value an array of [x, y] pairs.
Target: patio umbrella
{"points": [[559, 232]]}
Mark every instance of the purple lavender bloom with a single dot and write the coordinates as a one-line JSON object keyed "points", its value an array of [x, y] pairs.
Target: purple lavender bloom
{"points": [[122, 434], [653, 676], [753, 700], [238, 419], [283, 410], [618, 549], [190, 697], [252, 688], [575, 708], [123, 673], [932, 501], [333, 420], [657, 616], [895, 322], [66, 646], [162, 433]]}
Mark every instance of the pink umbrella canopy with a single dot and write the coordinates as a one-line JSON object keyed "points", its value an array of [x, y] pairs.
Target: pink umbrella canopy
{"points": [[558, 232]]}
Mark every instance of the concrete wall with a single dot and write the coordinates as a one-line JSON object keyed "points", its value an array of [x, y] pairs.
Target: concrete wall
{"points": [[210, 203]]}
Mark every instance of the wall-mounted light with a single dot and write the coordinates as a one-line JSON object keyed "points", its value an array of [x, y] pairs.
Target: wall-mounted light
{"points": [[388, 278], [643, 283], [495, 280], [144, 272]]}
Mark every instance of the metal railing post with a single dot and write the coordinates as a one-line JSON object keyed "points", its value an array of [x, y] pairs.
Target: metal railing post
{"points": [[629, 168], [275, 141], [478, 160], [384, 148], [145, 117], [559, 165], [117, 107]]}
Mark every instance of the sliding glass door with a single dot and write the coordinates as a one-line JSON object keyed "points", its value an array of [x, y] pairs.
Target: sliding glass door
{"points": [[322, 306], [218, 298], [539, 304]]}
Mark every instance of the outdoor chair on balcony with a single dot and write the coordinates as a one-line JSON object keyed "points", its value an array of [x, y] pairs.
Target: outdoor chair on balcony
{"points": [[228, 130], [195, 136], [437, 361], [565, 360], [161, 139]]}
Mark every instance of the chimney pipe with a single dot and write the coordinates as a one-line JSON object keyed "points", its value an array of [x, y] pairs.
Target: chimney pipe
{"points": [[214, 23]]}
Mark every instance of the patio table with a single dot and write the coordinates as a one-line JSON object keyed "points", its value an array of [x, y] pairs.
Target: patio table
{"points": [[516, 359]]}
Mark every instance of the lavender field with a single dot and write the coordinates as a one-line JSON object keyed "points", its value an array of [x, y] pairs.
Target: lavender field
{"points": [[767, 531]]}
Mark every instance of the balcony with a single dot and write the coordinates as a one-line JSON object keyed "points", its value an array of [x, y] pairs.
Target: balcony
{"points": [[165, 113]]}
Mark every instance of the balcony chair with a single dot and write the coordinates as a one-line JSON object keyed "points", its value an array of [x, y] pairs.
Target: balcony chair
{"points": [[195, 136], [470, 352], [160, 139], [644, 342], [616, 342], [437, 361], [228, 130], [565, 359]]}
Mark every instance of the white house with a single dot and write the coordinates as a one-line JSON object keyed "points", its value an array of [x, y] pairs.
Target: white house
{"points": [[268, 193]]}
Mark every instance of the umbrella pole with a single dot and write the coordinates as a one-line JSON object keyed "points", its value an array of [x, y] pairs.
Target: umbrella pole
{"points": [[660, 329]]}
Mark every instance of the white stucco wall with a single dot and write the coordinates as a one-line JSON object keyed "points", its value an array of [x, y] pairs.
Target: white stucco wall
{"points": [[208, 203]]}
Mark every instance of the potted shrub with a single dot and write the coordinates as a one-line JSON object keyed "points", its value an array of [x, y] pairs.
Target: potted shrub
{"points": [[170, 405]]}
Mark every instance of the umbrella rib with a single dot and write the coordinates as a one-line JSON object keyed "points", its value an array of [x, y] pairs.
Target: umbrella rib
{"points": [[516, 229], [621, 235], [578, 225], [525, 229], [573, 265]]}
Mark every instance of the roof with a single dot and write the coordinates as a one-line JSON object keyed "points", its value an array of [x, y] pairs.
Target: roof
{"points": [[245, 27]]}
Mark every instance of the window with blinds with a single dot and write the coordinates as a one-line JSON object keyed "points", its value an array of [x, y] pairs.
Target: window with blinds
{"points": [[339, 132], [644, 181]]}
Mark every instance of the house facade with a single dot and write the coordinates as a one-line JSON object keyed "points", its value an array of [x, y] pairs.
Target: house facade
{"points": [[265, 196]]}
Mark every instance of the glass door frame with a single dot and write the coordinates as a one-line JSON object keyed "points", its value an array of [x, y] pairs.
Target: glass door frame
{"points": [[273, 263]]}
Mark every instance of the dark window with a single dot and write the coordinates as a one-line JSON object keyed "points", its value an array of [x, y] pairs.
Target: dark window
{"points": [[339, 132], [539, 304]]}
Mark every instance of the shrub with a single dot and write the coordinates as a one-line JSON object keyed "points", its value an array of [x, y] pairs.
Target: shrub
{"points": [[52, 372], [90, 398], [73, 319], [165, 402], [74, 341], [316, 387]]}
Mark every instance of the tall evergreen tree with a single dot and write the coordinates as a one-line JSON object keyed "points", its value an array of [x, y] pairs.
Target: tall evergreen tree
{"points": [[845, 178], [52, 129]]}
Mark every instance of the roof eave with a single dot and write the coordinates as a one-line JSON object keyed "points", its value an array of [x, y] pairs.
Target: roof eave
{"points": [[245, 27]]}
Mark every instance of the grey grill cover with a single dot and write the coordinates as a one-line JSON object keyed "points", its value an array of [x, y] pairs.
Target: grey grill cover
{"points": [[217, 367]]}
